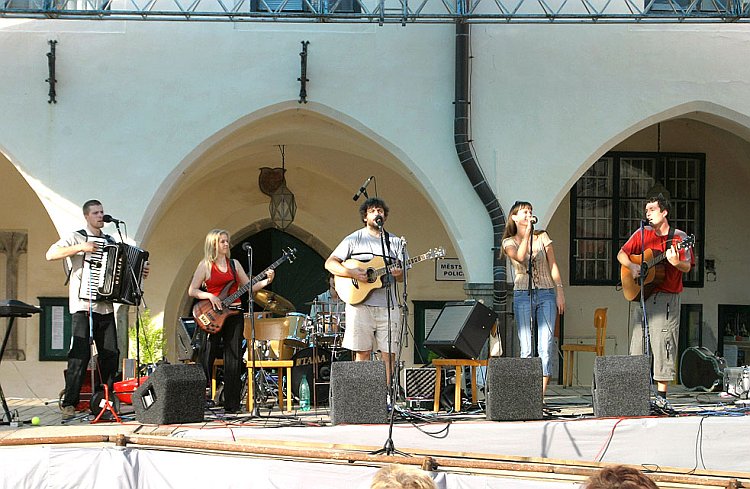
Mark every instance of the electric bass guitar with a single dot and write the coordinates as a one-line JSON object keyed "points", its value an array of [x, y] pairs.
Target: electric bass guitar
{"points": [[352, 291], [210, 320], [654, 272]]}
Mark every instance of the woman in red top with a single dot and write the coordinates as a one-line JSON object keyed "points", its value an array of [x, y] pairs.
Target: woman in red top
{"points": [[211, 276]]}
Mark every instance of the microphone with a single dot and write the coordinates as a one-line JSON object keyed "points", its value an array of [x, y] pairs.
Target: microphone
{"points": [[362, 188], [247, 246], [534, 220], [379, 221], [108, 218], [645, 222]]}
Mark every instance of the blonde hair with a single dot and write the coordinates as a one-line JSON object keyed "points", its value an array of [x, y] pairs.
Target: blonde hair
{"points": [[402, 477], [211, 248]]}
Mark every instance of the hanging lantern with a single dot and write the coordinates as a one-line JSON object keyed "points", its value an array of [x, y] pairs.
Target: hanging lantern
{"points": [[283, 207]]}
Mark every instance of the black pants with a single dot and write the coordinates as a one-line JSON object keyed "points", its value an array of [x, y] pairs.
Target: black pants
{"points": [[105, 338], [231, 333]]}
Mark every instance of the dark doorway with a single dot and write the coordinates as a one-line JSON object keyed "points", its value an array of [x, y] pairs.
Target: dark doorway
{"points": [[299, 281]]}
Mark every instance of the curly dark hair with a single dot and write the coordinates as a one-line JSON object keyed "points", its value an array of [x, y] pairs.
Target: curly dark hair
{"points": [[370, 203]]}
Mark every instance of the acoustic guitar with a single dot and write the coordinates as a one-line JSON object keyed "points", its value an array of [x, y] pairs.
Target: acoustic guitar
{"points": [[352, 291], [210, 320], [654, 271]]}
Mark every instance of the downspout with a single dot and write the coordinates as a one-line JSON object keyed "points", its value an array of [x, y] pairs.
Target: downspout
{"points": [[461, 130]]}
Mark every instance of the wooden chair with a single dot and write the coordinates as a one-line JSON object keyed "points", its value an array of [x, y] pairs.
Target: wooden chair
{"points": [[569, 350], [273, 330]]}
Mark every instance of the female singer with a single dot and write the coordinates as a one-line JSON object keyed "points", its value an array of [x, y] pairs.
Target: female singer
{"points": [[213, 273], [549, 299]]}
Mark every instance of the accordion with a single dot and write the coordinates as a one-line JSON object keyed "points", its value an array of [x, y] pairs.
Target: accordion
{"points": [[114, 272]]}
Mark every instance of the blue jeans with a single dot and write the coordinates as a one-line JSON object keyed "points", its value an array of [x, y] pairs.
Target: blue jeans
{"points": [[545, 305]]}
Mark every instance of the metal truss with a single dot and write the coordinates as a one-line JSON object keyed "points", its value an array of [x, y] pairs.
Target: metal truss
{"points": [[388, 11]]}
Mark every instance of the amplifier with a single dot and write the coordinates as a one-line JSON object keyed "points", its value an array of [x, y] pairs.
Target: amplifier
{"points": [[737, 381], [419, 383]]}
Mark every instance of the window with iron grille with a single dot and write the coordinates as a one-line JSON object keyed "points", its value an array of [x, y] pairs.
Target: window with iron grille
{"points": [[607, 204]]}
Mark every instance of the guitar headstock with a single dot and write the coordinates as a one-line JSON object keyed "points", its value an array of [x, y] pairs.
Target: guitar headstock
{"points": [[290, 254], [688, 242], [435, 253]]}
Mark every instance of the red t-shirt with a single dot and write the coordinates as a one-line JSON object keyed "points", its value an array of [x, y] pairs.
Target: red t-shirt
{"points": [[673, 277], [218, 280]]}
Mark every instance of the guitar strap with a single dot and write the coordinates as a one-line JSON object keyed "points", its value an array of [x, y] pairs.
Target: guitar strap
{"points": [[670, 238]]}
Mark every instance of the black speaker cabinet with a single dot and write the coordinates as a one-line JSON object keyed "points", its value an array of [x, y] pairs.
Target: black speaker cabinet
{"points": [[358, 393], [621, 386], [461, 329], [172, 394], [514, 389]]}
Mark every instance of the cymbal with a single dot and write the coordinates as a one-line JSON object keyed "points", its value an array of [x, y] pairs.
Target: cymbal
{"points": [[273, 302]]}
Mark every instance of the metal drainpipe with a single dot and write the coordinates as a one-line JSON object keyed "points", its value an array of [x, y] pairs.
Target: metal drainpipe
{"points": [[476, 176]]}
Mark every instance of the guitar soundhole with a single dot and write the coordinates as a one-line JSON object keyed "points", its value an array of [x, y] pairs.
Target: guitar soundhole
{"points": [[371, 275]]}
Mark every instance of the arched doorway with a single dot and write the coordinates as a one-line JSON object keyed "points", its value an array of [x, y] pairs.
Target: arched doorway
{"points": [[299, 281]]}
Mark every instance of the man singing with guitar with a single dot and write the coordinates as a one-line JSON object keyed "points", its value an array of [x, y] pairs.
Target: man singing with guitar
{"points": [[217, 277], [367, 320], [662, 295]]}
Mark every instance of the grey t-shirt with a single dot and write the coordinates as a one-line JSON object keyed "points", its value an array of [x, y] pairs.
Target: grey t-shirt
{"points": [[362, 246]]}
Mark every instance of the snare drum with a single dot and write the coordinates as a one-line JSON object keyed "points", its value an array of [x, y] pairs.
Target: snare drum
{"points": [[299, 326]]}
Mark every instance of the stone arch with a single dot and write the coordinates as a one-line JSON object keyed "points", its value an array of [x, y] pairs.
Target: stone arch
{"points": [[328, 155]]}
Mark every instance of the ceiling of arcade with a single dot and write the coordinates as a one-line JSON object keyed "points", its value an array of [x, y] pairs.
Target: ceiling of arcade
{"points": [[326, 163]]}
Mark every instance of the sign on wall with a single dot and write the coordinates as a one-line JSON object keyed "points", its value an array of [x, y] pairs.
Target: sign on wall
{"points": [[448, 269]]}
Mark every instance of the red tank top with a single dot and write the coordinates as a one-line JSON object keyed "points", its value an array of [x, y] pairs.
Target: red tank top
{"points": [[218, 280]]}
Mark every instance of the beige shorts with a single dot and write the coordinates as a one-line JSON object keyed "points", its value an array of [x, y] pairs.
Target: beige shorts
{"points": [[367, 328]]}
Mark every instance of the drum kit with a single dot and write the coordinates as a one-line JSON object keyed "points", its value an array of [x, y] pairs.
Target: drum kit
{"points": [[313, 341]]}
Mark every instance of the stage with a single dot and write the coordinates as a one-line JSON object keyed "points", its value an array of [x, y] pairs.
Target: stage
{"points": [[703, 443]]}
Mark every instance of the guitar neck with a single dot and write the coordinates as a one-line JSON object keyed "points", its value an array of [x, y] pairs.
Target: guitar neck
{"points": [[410, 261], [656, 260], [230, 299]]}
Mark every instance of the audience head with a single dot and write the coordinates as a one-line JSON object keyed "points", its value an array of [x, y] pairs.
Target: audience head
{"points": [[619, 477], [402, 477]]}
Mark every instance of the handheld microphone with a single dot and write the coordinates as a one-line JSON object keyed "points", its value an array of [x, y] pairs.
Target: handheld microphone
{"points": [[247, 246], [108, 218], [362, 188], [379, 221], [534, 220]]}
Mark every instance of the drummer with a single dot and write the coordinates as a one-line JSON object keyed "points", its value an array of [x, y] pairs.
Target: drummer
{"points": [[328, 302]]}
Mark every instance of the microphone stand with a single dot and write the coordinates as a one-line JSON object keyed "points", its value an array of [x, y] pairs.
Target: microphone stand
{"points": [[255, 413], [389, 447], [646, 333], [532, 294]]}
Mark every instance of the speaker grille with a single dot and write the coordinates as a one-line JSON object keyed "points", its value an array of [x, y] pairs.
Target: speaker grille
{"points": [[621, 385]]}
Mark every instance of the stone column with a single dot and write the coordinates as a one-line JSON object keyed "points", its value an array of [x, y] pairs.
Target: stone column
{"points": [[13, 244]]}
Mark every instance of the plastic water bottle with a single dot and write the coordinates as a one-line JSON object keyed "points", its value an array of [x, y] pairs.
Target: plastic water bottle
{"points": [[304, 394]]}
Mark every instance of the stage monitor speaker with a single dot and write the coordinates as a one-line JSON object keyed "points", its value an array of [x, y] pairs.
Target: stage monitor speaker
{"points": [[358, 393], [172, 394], [461, 329], [621, 386], [514, 389]]}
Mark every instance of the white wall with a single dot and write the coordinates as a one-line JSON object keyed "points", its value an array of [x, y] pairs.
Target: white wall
{"points": [[146, 110]]}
